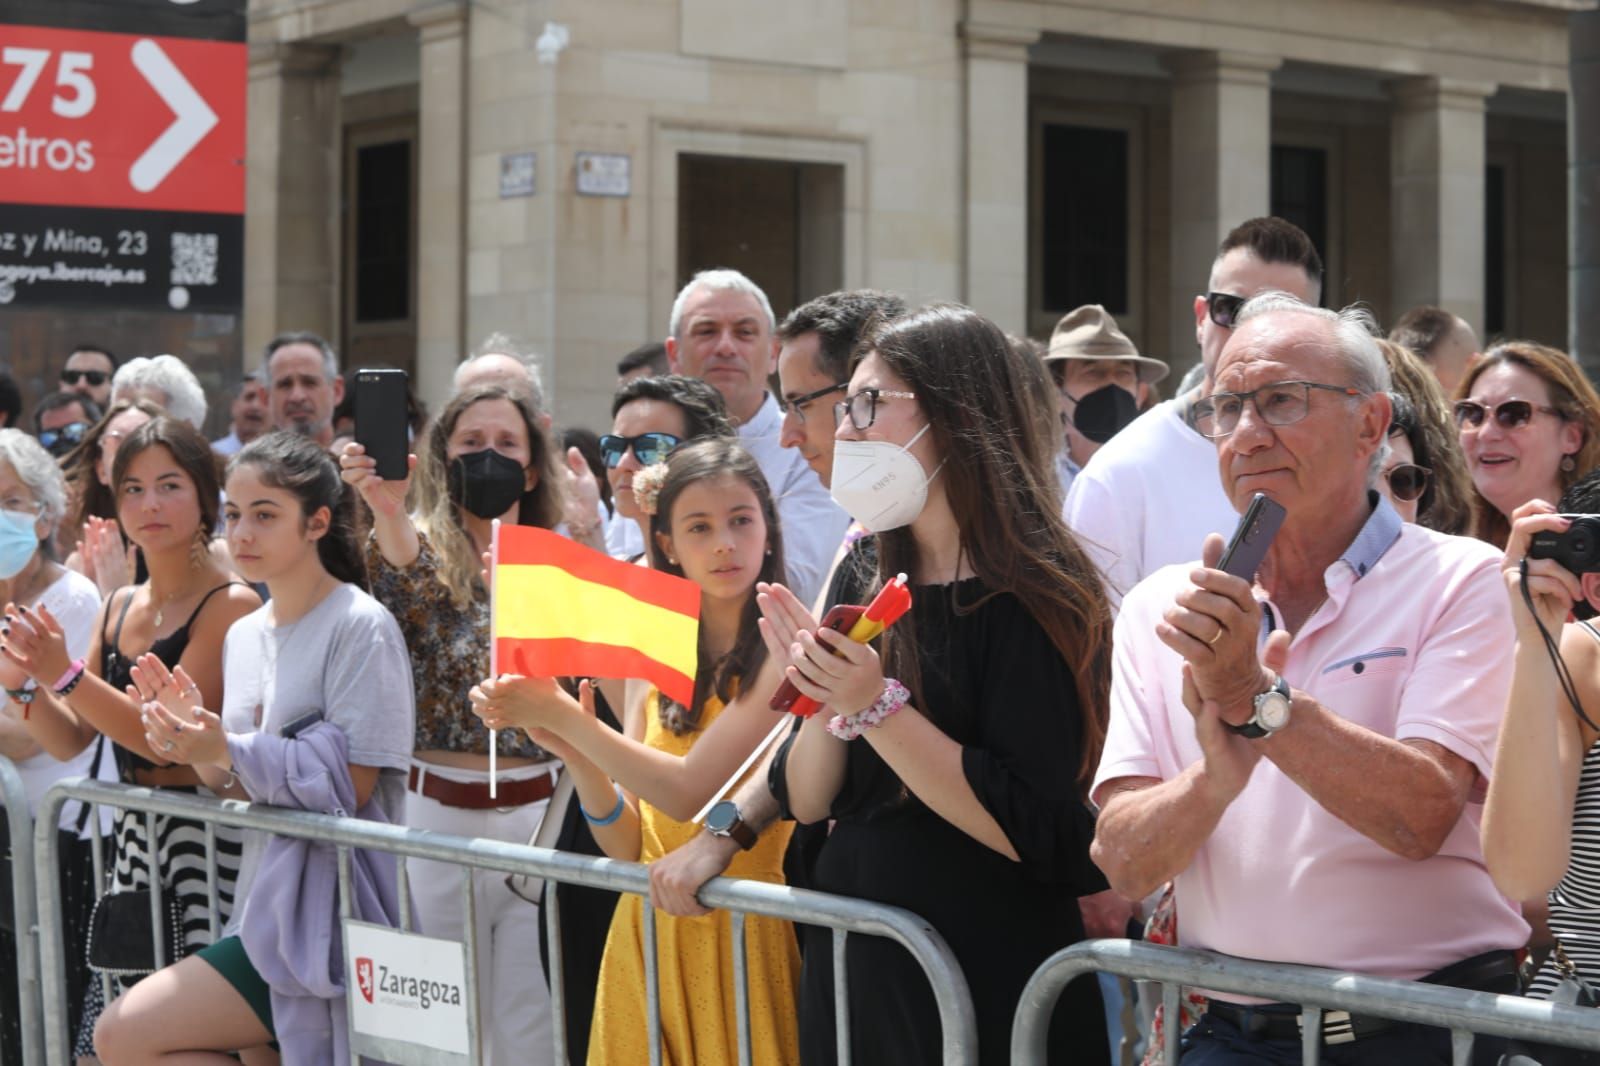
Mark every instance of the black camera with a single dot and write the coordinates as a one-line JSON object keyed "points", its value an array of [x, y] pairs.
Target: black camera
{"points": [[1577, 547]]}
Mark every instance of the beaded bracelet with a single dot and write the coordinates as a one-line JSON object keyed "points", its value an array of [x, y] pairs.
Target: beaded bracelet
{"points": [[616, 812], [69, 680], [895, 696]]}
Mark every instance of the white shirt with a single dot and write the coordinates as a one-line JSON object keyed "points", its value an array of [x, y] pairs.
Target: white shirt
{"points": [[1148, 498], [813, 525], [624, 539], [75, 602], [227, 446]]}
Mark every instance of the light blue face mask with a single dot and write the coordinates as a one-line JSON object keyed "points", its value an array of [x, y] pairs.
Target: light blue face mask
{"points": [[19, 539]]}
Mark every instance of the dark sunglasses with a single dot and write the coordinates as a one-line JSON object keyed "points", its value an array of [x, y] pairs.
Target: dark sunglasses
{"points": [[1508, 414], [71, 433], [1223, 308], [95, 377], [648, 448], [1408, 481]]}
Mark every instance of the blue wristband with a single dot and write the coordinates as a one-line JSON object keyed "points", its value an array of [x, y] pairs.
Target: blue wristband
{"points": [[616, 812]]}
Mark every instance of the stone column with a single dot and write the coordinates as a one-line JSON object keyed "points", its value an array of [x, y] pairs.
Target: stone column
{"points": [[291, 227], [1583, 226], [1436, 199], [996, 257], [1221, 169], [441, 196]]}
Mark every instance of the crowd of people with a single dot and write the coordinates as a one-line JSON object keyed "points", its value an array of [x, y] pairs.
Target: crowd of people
{"points": [[1373, 751]]}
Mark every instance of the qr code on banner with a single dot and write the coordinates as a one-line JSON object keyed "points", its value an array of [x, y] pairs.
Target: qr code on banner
{"points": [[194, 259]]}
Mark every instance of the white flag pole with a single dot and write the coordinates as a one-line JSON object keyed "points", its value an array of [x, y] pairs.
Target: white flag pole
{"points": [[494, 627], [784, 722]]}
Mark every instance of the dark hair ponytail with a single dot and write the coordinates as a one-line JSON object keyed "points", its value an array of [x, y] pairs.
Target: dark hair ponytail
{"points": [[298, 465]]}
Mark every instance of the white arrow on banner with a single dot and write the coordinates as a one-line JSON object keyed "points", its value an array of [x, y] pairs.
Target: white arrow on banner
{"points": [[195, 117]]}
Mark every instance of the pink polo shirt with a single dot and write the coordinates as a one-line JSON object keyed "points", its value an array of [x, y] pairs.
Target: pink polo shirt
{"points": [[1418, 647]]}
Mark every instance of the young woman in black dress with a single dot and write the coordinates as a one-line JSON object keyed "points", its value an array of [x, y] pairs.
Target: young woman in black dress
{"points": [[961, 796]]}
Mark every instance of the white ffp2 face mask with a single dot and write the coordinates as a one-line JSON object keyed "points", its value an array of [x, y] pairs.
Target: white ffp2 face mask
{"points": [[879, 483]]}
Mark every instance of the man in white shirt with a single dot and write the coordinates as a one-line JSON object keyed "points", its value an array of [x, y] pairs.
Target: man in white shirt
{"points": [[1153, 492], [248, 417], [722, 332]]}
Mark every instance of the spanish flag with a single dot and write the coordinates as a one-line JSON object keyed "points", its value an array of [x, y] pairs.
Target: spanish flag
{"points": [[562, 610]]}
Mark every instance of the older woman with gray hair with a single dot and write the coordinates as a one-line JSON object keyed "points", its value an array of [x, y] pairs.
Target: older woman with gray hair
{"points": [[165, 381], [33, 498]]}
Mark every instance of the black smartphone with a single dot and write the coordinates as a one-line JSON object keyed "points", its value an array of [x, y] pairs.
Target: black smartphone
{"points": [[1253, 536], [381, 420]]}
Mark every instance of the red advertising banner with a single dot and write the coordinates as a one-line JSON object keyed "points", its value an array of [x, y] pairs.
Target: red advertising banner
{"points": [[91, 119]]}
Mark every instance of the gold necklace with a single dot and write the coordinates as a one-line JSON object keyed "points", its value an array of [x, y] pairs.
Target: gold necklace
{"points": [[161, 607]]}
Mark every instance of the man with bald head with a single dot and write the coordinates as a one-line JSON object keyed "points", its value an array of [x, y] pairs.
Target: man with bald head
{"points": [[722, 332], [1147, 497], [1300, 752]]}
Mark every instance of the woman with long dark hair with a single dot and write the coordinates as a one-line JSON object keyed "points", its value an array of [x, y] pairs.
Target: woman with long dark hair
{"points": [[321, 666], [712, 520], [165, 477], [954, 759]]}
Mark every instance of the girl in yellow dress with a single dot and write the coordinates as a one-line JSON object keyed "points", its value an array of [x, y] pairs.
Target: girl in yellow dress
{"points": [[713, 521]]}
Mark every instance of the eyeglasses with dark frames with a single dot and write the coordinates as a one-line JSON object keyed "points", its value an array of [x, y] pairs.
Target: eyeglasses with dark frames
{"points": [[648, 448], [796, 405], [862, 407], [1508, 414], [94, 377], [1282, 403], [71, 433], [1408, 481], [1223, 308]]}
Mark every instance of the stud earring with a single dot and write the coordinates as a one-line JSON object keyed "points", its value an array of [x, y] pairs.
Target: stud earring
{"points": [[1568, 464]]}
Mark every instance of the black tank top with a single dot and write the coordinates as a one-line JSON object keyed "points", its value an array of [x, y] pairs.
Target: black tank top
{"points": [[117, 668]]}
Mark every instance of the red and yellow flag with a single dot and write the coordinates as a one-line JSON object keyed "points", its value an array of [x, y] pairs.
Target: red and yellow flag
{"points": [[563, 610]]}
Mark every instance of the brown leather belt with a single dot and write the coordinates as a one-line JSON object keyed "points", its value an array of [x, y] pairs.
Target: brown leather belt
{"points": [[474, 795]]}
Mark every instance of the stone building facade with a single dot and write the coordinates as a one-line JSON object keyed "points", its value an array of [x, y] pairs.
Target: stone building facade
{"points": [[424, 172]]}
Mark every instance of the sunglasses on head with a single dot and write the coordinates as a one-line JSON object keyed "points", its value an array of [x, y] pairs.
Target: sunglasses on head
{"points": [[1408, 481], [648, 448], [1223, 308], [94, 377], [1508, 414]]}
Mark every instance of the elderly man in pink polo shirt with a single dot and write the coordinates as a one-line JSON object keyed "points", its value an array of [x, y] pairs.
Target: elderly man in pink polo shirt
{"points": [[1307, 757]]}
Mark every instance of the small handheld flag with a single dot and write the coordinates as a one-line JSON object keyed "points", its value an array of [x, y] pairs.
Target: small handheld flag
{"points": [[562, 610], [860, 624]]}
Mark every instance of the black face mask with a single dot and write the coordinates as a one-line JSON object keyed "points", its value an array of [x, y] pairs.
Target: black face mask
{"points": [[1105, 412], [486, 483]]}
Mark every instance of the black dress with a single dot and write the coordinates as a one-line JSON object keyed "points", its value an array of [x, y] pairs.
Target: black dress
{"points": [[996, 684]]}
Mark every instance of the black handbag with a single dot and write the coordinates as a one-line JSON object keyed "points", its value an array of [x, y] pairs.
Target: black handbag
{"points": [[120, 936], [1572, 991]]}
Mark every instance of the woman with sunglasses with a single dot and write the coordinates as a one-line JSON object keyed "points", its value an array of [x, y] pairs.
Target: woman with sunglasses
{"points": [[1425, 474], [485, 457], [954, 759], [649, 418], [1529, 424]]}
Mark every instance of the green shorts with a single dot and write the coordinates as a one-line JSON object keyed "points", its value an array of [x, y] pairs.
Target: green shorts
{"points": [[227, 957]]}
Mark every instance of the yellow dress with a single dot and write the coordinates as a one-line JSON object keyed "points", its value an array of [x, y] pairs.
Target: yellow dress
{"points": [[699, 1026]]}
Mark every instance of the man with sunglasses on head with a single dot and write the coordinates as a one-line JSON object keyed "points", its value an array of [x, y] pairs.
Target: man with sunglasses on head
{"points": [[1299, 753], [61, 419], [1152, 493], [722, 333], [88, 371]]}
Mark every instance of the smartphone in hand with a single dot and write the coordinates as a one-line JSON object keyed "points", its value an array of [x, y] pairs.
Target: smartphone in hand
{"points": [[1252, 537], [381, 426]]}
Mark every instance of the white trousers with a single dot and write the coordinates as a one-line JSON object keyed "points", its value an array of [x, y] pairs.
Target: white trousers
{"points": [[513, 998]]}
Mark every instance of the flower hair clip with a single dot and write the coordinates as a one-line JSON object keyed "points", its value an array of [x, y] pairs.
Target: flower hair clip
{"points": [[647, 485]]}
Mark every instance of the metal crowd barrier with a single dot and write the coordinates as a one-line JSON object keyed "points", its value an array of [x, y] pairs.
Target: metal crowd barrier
{"points": [[24, 919], [1463, 1012], [844, 916]]}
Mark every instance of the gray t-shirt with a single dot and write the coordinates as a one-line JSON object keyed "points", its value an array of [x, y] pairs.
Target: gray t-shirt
{"points": [[346, 659]]}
